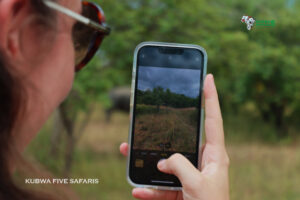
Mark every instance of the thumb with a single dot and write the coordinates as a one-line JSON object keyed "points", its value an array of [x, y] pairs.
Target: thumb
{"points": [[181, 167]]}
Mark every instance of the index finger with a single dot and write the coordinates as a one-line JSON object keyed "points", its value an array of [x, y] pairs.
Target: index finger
{"points": [[213, 117]]}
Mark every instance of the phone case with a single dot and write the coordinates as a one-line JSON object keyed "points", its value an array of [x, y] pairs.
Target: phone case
{"points": [[132, 103]]}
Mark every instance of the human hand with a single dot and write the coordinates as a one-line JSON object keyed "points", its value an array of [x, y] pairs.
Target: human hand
{"points": [[211, 182]]}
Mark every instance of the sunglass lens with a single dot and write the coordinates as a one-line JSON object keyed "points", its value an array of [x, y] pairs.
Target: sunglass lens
{"points": [[86, 39]]}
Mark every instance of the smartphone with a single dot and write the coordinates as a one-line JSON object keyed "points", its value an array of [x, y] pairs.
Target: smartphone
{"points": [[166, 112]]}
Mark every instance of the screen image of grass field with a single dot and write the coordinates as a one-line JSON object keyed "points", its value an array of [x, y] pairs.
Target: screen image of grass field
{"points": [[164, 128], [166, 114], [257, 76]]}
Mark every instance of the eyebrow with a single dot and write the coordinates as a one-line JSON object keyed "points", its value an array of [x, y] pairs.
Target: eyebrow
{"points": [[78, 17]]}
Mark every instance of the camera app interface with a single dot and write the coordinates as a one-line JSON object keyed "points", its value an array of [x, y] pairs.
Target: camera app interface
{"points": [[166, 119]]}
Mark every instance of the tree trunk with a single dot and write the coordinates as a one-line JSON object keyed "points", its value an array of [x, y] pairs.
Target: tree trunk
{"points": [[278, 111], [56, 134], [69, 155], [69, 126]]}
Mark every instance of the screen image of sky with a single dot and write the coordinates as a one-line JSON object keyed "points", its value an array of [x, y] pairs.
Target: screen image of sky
{"points": [[180, 81]]}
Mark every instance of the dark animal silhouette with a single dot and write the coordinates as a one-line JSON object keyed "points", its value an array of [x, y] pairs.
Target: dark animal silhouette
{"points": [[120, 101]]}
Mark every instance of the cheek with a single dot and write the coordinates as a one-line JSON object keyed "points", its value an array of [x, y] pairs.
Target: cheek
{"points": [[65, 65], [54, 77]]}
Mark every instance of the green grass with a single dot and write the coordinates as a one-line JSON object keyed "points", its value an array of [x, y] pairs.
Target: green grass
{"points": [[258, 170], [109, 168]]}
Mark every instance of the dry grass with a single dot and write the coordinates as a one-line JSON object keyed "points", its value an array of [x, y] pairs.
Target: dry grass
{"points": [[257, 171], [170, 124], [264, 172], [102, 136]]}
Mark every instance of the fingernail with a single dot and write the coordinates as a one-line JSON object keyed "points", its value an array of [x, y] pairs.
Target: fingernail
{"points": [[212, 84], [212, 77], [161, 164]]}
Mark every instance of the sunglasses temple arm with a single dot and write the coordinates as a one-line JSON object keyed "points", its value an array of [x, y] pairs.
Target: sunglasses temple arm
{"points": [[76, 16], [97, 26]]}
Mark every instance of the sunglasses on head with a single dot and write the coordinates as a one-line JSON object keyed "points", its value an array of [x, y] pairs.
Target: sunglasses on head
{"points": [[88, 32]]}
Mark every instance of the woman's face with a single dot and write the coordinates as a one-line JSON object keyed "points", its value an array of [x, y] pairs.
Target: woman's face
{"points": [[41, 57], [53, 75]]}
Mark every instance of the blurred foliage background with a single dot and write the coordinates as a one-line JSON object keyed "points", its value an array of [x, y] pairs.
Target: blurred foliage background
{"points": [[257, 73]]}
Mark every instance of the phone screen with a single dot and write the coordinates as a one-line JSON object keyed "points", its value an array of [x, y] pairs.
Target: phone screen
{"points": [[166, 111]]}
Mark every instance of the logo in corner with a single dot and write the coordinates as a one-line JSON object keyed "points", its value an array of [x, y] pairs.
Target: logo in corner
{"points": [[249, 21]]}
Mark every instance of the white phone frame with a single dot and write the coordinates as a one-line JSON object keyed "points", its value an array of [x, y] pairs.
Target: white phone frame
{"points": [[143, 44]]}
